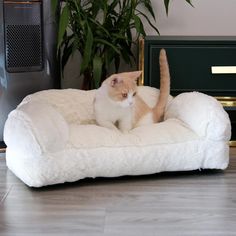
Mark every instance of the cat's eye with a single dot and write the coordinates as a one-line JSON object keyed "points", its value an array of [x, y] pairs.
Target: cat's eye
{"points": [[134, 94], [124, 95]]}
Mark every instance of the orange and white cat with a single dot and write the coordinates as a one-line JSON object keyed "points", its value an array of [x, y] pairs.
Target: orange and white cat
{"points": [[117, 104]]}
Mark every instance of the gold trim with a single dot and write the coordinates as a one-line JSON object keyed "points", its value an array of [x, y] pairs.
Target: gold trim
{"points": [[223, 69], [232, 143], [141, 60], [2, 150], [227, 101]]}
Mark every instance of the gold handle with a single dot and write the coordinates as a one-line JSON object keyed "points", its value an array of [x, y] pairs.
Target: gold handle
{"points": [[223, 69], [141, 60]]}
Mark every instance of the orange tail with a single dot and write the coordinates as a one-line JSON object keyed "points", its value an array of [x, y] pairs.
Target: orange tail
{"points": [[159, 109]]}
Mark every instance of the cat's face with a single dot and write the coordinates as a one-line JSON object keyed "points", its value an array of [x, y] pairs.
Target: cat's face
{"points": [[122, 88]]}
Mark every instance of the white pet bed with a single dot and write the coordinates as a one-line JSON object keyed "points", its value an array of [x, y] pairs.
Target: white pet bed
{"points": [[51, 138]]}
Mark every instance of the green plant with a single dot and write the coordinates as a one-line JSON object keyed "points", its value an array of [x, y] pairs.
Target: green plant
{"points": [[103, 31]]}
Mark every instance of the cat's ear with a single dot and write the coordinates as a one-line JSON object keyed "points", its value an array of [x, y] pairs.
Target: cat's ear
{"points": [[115, 81], [132, 74], [135, 74]]}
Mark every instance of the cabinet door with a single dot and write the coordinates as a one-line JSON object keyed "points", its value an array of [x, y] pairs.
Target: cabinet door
{"points": [[191, 68]]}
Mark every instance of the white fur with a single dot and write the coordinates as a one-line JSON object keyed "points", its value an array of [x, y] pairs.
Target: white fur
{"points": [[145, 120], [109, 112], [128, 102]]}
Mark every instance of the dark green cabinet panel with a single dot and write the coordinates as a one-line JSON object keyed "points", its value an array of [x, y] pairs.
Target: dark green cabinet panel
{"points": [[191, 60]]}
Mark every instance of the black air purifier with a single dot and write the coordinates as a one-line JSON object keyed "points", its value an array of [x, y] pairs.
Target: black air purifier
{"points": [[27, 52]]}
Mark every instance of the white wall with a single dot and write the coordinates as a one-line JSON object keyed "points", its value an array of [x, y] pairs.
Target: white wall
{"points": [[208, 17]]}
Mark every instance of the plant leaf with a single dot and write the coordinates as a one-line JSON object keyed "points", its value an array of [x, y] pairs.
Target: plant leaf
{"points": [[87, 50], [129, 36], [139, 25], [98, 26], [63, 23], [126, 53], [189, 2], [103, 32], [97, 70], [65, 56], [166, 2], [117, 63], [149, 22], [103, 41], [54, 6], [95, 8], [147, 4], [113, 5]]}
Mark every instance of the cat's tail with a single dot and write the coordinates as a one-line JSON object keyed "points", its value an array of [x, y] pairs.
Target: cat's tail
{"points": [[159, 109]]}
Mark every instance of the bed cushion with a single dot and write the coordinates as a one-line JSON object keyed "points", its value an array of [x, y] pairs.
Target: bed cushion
{"points": [[52, 138]]}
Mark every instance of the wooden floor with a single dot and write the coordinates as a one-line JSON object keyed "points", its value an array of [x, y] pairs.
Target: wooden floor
{"points": [[190, 203]]}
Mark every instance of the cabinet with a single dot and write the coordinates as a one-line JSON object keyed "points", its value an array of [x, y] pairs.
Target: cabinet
{"points": [[204, 64]]}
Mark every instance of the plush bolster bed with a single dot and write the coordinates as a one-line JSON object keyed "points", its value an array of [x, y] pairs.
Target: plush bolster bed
{"points": [[52, 138]]}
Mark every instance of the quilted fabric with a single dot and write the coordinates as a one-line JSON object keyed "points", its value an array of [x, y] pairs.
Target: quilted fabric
{"points": [[52, 138]]}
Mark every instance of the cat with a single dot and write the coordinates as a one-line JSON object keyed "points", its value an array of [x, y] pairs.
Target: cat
{"points": [[118, 106]]}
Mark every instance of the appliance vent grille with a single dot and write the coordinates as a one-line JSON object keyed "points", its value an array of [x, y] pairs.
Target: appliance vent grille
{"points": [[23, 48]]}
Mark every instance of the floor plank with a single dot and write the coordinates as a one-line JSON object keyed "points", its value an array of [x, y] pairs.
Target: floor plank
{"points": [[180, 203]]}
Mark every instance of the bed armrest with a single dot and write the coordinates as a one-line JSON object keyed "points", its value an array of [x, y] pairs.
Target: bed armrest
{"points": [[76, 106], [201, 113], [36, 126]]}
